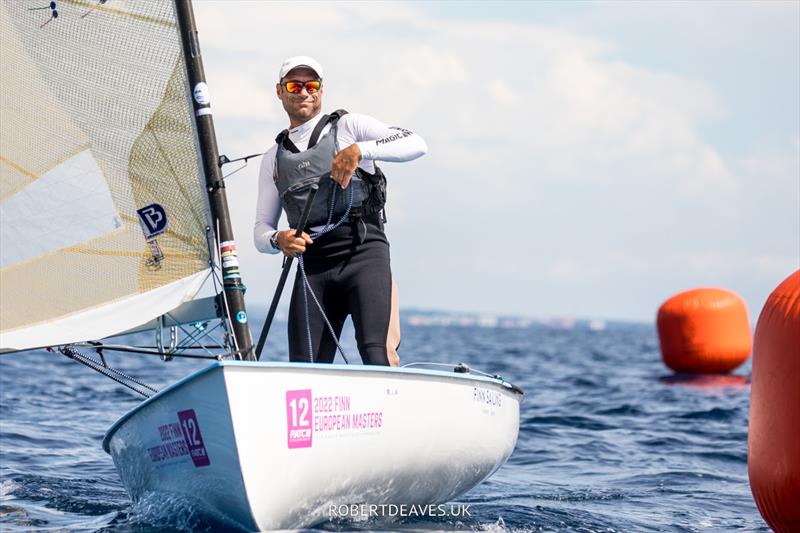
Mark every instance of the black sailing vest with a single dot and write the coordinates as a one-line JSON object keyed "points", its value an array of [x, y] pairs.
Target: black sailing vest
{"points": [[296, 171]]}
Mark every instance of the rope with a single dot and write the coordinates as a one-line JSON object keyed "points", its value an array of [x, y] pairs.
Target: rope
{"points": [[307, 286], [307, 289], [111, 373], [148, 350]]}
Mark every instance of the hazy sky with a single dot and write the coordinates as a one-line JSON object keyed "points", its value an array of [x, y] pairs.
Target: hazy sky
{"points": [[585, 159]]}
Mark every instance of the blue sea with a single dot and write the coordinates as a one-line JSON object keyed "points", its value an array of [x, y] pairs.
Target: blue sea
{"points": [[610, 441]]}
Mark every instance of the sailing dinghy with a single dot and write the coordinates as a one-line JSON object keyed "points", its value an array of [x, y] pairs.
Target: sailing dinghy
{"points": [[286, 445], [114, 220]]}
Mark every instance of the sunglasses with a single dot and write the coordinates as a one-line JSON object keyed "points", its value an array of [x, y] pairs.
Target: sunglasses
{"points": [[295, 87]]}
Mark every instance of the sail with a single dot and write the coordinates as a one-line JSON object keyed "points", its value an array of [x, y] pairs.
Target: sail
{"points": [[103, 212]]}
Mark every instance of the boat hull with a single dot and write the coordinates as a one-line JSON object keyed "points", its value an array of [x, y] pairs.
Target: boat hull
{"points": [[280, 446]]}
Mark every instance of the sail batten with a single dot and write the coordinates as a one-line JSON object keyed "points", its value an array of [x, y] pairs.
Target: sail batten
{"points": [[102, 200], [18, 168]]}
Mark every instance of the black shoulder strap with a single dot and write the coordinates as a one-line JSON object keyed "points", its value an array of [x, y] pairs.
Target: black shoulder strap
{"points": [[339, 113], [312, 142], [324, 121], [284, 140]]}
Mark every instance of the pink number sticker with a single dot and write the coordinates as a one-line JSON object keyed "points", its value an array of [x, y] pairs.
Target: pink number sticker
{"points": [[193, 438], [298, 418]]}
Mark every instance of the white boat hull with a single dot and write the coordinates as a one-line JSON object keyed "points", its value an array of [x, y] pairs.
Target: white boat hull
{"points": [[282, 446]]}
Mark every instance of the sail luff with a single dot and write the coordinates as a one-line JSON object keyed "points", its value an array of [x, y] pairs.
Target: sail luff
{"points": [[215, 186]]}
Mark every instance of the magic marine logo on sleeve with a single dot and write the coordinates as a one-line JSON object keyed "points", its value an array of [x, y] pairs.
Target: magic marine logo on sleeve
{"points": [[153, 220], [401, 134]]}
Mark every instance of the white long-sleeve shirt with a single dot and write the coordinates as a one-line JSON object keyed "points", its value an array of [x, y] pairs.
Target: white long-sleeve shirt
{"points": [[376, 140]]}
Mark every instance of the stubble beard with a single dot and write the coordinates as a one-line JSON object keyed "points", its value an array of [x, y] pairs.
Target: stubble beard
{"points": [[303, 114]]}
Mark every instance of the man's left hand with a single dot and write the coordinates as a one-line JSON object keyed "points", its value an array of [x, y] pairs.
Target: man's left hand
{"points": [[345, 164]]}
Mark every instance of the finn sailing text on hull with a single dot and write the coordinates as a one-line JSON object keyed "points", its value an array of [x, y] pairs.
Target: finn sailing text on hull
{"points": [[345, 254]]}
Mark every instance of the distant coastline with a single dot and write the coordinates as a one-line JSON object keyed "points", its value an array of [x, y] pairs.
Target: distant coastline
{"points": [[428, 318], [441, 318]]}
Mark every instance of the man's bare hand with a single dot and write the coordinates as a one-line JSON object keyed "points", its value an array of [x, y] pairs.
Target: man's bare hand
{"points": [[290, 245], [345, 164]]}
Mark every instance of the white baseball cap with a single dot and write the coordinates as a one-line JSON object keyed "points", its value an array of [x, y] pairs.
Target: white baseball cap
{"points": [[300, 61]]}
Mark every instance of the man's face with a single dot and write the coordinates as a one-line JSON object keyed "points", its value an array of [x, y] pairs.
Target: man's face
{"points": [[300, 106]]}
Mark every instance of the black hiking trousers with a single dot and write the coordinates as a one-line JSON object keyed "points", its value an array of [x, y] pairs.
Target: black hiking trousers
{"points": [[349, 271]]}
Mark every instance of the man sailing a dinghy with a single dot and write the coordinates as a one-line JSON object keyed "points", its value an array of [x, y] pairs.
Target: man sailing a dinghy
{"points": [[347, 266]]}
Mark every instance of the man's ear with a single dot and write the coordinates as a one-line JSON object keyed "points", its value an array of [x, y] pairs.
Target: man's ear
{"points": [[278, 90]]}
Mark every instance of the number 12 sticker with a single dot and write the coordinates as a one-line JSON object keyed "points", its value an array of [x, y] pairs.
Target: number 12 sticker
{"points": [[298, 418], [193, 438]]}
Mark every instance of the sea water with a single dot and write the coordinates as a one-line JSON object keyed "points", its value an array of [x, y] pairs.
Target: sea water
{"points": [[610, 440]]}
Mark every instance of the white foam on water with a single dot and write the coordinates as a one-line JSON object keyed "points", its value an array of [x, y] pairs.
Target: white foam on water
{"points": [[7, 487]]}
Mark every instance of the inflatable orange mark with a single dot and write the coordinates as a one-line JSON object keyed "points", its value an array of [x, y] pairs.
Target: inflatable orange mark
{"points": [[704, 331], [773, 457]]}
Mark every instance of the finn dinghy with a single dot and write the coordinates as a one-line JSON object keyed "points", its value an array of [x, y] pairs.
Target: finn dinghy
{"points": [[110, 178]]}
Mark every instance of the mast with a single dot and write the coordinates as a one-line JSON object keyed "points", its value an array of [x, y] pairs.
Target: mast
{"points": [[215, 186]]}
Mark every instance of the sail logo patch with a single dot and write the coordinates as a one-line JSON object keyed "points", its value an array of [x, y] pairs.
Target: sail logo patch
{"points": [[153, 219]]}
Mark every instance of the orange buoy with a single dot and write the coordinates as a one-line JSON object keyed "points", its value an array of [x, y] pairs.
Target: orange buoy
{"points": [[704, 331], [773, 455]]}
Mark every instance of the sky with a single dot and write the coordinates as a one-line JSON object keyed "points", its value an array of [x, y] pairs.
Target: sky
{"points": [[585, 160]]}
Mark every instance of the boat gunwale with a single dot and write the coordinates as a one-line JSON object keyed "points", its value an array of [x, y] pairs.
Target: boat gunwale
{"points": [[313, 367]]}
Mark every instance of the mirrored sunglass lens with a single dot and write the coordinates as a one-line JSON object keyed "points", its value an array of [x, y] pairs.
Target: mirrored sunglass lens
{"points": [[294, 87], [312, 86]]}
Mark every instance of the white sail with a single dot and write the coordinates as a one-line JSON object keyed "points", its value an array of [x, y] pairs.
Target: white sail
{"points": [[102, 204]]}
